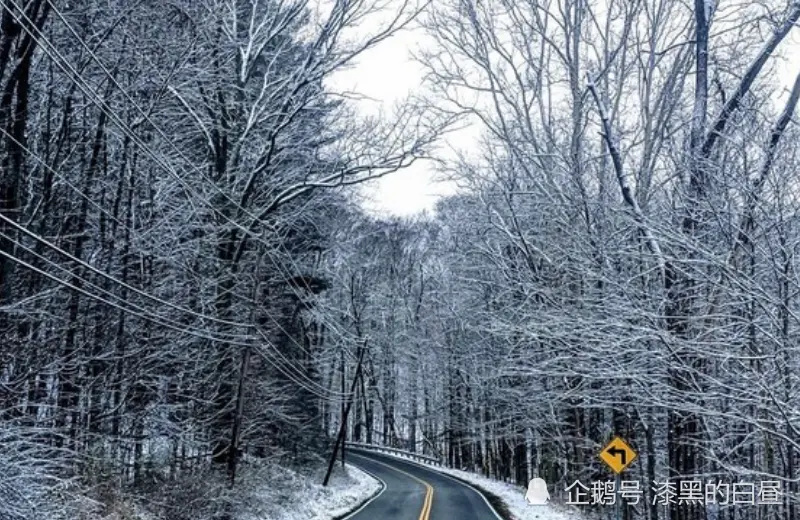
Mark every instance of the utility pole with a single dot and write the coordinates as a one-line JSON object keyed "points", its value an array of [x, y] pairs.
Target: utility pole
{"points": [[343, 426], [233, 453], [344, 411]]}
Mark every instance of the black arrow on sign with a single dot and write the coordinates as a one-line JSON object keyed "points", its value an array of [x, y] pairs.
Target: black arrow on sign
{"points": [[614, 451]]}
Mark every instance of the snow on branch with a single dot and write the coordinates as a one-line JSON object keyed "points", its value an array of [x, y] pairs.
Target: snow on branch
{"points": [[622, 179]]}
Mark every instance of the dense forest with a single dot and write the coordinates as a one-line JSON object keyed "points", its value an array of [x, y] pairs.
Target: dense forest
{"points": [[188, 284]]}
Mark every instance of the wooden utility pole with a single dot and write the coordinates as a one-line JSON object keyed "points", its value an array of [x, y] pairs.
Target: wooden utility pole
{"points": [[343, 426], [233, 454], [344, 410]]}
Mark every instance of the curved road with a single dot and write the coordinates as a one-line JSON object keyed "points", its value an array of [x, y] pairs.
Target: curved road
{"points": [[413, 492]]}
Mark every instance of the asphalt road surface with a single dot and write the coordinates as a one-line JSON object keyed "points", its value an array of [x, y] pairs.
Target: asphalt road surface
{"points": [[412, 492]]}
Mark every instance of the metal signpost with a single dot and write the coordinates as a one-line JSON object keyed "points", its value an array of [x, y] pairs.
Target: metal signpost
{"points": [[618, 456]]}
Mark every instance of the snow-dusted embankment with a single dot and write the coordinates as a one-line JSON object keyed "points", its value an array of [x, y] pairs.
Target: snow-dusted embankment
{"points": [[264, 491], [299, 498]]}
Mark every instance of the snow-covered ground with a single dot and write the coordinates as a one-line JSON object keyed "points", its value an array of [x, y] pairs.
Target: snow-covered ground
{"points": [[298, 497], [263, 492], [513, 496]]}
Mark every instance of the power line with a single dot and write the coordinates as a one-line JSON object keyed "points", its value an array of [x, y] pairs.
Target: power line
{"points": [[138, 312], [117, 281], [309, 384]]}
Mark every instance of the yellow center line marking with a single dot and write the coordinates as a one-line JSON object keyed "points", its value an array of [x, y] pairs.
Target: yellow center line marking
{"points": [[426, 505]]}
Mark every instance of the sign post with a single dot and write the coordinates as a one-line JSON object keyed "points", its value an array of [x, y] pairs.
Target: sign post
{"points": [[618, 456]]}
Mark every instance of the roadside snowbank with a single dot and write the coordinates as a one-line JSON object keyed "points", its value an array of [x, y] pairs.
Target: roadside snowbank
{"points": [[299, 497]]}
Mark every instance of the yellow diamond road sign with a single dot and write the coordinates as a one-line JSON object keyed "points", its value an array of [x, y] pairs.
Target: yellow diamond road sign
{"points": [[618, 455]]}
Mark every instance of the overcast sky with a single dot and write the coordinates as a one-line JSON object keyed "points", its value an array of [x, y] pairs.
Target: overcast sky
{"points": [[387, 74]]}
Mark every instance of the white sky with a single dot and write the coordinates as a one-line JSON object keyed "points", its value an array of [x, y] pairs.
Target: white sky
{"points": [[387, 73]]}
